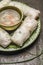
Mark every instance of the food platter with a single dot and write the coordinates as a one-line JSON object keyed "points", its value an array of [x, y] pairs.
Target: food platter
{"points": [[33, 37]]}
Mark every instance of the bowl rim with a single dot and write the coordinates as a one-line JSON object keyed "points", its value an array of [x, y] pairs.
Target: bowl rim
{"points": [[13, 8]]}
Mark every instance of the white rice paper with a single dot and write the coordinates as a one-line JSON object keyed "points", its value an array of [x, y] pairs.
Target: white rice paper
{"points": [[4, 3], [28, 11], [5, 38], [24, 31]]}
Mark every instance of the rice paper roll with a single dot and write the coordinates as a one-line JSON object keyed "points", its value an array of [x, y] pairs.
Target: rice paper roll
{"points": [[5, 38], [24, 31], [28, 11], [4, 3]]}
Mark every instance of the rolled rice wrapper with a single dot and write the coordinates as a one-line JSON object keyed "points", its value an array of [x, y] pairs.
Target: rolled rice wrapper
{"points": [[4, 3], [5, 38], [24, 31], [28, 11]]}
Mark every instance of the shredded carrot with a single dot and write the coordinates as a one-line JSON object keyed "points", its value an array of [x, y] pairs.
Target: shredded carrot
{"points": [[3, 23], [10, 17], [12, 22]]}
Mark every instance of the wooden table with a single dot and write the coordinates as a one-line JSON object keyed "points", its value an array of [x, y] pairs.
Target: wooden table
{"points": [[32, 50]]}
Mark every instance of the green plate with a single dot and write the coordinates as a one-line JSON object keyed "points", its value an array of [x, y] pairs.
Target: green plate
{"points": [[27, 43], [33, 37]]}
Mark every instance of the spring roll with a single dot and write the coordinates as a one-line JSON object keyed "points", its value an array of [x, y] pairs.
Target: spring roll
{"points": [[4, 3], [24, 31], [28, 11], [4, 38]]}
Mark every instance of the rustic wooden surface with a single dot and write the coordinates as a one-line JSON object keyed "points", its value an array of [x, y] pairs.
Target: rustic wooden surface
{"points": [[32, 50]]}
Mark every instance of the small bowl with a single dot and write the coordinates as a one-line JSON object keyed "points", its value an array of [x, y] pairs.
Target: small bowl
{"points": [[14, 26]]}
